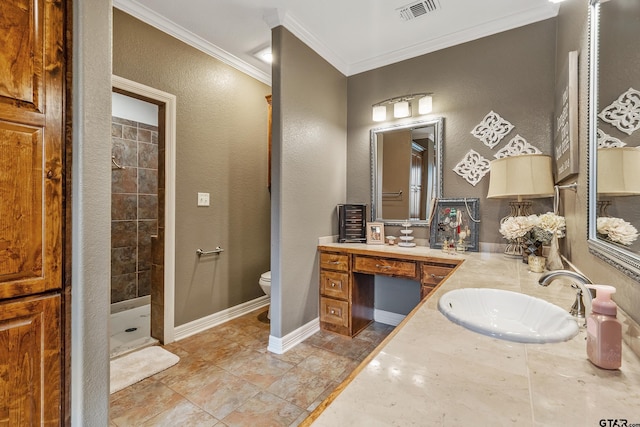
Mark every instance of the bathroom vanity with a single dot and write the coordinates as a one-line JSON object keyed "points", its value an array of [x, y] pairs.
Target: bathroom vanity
{"points": [[347, 273], [431, 371]]}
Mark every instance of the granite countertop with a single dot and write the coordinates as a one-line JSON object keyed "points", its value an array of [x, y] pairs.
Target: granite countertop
{"points": [[431, 371]]}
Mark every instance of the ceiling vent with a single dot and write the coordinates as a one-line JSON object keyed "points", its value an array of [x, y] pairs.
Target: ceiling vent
{"points": [[418, 9]]}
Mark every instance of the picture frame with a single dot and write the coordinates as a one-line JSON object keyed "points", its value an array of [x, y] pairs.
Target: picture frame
{"points": [[565, 135], [375, 233], [453, 219]]}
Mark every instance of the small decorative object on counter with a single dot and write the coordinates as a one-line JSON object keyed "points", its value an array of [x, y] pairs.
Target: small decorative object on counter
{"points": [[375, 233], [536, 263], [604, 330], [554, 262], [391, 240], [406, 240]]}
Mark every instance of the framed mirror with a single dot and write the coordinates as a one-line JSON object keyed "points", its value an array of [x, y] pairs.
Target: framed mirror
{"points": [[614, 134], [406, 171]]}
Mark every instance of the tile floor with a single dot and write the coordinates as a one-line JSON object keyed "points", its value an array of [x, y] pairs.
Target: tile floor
{"points": [[226, 377]]}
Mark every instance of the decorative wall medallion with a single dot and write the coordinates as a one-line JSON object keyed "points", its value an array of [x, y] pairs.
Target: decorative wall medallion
{"points": [[624, 112], [517, 146], [473, 167], [492, 129], [607, 141]]}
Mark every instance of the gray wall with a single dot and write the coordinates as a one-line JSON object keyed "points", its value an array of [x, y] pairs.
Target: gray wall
{"points": [[309, 174], [221, 135], [91, 222], [511, 73], [573, 35]]}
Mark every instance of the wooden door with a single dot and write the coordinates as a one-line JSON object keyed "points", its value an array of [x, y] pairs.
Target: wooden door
{"points": [[32, 125]]}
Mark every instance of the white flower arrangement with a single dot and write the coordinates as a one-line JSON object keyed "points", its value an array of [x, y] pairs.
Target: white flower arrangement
{"points": [[515, 227], [535, 228], [617, 230], [551, 223]]}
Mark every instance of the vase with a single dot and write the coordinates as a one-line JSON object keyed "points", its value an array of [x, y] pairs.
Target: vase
{"points": [[554, 262]]}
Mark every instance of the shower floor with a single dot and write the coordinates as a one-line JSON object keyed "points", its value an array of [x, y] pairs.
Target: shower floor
{"points": [[130, 330]]}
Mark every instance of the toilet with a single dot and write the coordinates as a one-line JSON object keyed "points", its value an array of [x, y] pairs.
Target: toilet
{"points": [[265, 284]]}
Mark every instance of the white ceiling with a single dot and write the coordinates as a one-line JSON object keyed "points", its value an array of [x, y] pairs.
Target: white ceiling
{"points": [[353, 35]]}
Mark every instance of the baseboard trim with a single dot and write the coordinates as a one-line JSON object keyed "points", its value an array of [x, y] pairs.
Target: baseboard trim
{"points": [[215, 319], [286, 343], [387, 317]]}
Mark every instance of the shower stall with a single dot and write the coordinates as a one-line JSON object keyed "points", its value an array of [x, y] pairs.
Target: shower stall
{"points": [[134, 220]]}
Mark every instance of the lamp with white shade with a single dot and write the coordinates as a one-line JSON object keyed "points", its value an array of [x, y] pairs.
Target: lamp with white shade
{"points": [[521, 177], [618, 174]]}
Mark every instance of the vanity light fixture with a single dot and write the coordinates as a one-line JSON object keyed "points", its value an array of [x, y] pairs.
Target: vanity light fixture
{"points": [[425, 104], [401, 109], [379, 113], [402, 106]]}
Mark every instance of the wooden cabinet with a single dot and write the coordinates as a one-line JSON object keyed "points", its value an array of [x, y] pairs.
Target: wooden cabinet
{"points": [[30, 369], [347, 282], [346, 300], [432, 274], [32, 134], [385, 266]]}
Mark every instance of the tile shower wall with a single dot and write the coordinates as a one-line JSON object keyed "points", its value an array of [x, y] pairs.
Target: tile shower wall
{"points": [[134, 207]]}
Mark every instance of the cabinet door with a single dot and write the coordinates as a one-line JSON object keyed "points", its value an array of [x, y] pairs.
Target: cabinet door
{"points": [[30, 362], [31, 134]]}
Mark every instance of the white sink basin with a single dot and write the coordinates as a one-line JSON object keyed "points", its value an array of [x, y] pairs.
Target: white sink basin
{"points": [[511, 316]]}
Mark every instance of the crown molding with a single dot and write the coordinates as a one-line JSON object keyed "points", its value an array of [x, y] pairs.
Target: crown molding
{"points": [[499, 25], [276, 17], [150, 17]]}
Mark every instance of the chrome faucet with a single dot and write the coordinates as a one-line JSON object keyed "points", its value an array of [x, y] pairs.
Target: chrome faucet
{"points": [[578, 308]]}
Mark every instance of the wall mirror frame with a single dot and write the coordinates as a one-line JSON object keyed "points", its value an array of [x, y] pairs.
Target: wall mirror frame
{"points": [[433, 173], [617, 256]]}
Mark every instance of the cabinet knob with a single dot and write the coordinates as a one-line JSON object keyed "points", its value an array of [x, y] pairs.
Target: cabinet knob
{"points": [[333, 285], [333, 312]]}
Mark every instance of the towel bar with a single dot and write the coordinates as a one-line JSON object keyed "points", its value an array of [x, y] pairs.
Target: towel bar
{"points": [[217, 250]]}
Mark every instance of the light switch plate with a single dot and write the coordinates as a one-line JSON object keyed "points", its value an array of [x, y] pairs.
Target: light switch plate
{"points": [[203, 199]]}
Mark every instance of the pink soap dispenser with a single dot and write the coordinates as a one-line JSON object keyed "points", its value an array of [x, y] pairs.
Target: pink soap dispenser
{"points": [[604, 330]]}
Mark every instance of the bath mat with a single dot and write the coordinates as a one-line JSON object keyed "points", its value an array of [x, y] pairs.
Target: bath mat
{"points": [[141, 364]]}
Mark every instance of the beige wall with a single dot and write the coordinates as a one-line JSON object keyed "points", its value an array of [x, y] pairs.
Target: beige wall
{"points": [[309, 174], [222, 150], [573, 35], [511, 73]]}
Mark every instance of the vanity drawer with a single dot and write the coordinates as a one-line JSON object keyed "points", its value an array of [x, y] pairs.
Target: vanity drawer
{"points": [[433, 274], [334, 261], [385, 266], [334, 311], [425, 291], [334, 284]]}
